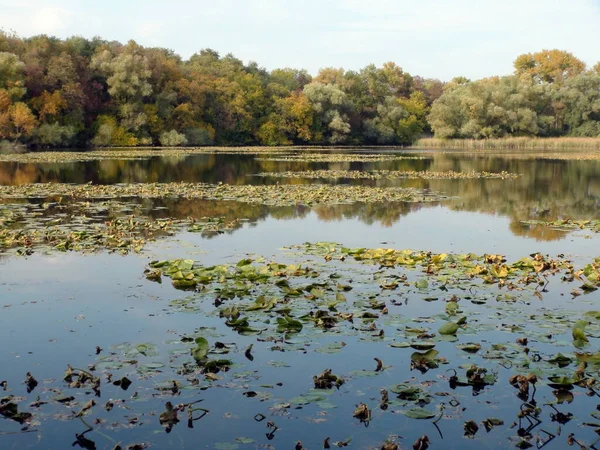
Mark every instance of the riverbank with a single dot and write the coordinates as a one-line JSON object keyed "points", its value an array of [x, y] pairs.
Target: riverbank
{"points": [[513, 143]]}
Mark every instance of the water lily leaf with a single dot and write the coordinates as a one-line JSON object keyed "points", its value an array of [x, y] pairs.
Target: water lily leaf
{"points": [[422, 284], [306, 399], [407, 392], [449, 328], [429, 355], [470, 347], [286, 323], [561, 382], [588, 358], [226, 446], [422, 345], [418, 413], [262, 303], [579, 331], [560, 360], [201, 351], [400, 344], [326, 405], [334, 347], [451, 308]]}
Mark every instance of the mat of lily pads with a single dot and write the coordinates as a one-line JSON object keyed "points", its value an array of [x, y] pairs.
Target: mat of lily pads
{"points": [[92, 226], [323, 346], [389, 174], [273, 195]]}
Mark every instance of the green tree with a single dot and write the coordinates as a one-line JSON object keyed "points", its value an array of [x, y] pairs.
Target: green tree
{"points": [[493, 107], [580, 98], [330, 105], [11, 75], [172, 139], [127, 73]]}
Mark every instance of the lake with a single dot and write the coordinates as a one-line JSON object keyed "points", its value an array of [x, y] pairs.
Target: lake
{"points": [[205, 315]]}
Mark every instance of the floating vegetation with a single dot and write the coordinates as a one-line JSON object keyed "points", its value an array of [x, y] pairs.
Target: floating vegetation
{"points": [[395, 348], [566, 224], [354, 292], [90, 227], [389, 174], [343, 157], [58, 157], [295, 153], [471, 335], [276, 195], [311, 294]]}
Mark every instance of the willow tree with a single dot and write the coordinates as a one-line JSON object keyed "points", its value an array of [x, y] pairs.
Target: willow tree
{"points": [[127, 72], [11, 75], [331, 106]]}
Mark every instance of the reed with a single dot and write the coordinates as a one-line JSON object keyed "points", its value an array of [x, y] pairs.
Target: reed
{"points": [[512, 143]]}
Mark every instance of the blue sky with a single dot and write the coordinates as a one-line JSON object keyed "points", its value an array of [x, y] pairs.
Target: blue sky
{"points": [[432, 38]]}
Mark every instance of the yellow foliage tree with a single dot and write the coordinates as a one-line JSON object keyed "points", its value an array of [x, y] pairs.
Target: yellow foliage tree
{"points": [[16, 121], [49, 105], [549, 66]]}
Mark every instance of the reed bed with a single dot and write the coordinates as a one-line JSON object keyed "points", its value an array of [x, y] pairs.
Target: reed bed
{"points": [[513, 143]]}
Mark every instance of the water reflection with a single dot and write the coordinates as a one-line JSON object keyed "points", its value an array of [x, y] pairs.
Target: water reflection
{"points": [[546, 190]]}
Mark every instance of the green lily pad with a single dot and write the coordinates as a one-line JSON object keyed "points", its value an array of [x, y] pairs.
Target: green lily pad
{"points": [[201, 351], [418, 413], [449, 328]]}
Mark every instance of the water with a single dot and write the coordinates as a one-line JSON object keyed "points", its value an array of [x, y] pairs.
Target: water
{"points": [[56, 308]]}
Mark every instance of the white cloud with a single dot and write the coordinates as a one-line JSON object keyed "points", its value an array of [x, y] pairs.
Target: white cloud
{"points": [[28, 18], [437, 38], [150, 32], [50, 20]]}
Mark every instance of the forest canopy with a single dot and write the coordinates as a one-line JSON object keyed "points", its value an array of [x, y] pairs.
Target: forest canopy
{"points": [[80, 92]]}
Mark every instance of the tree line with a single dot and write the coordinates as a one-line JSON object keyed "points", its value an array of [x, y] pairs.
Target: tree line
{"points": [[79, 92]]}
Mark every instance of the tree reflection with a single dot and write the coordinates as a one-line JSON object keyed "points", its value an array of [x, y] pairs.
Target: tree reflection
{"points": [[546, 190]]}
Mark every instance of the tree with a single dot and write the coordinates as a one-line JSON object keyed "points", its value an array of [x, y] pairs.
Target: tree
{"points": [[53, 135], [330, 105], [60, 71], [493, 107], [549, 66], [580, 98], [431, 88], [200, 135], [110, 134], [127, 72], [16, 121], [398, 121], [49, 105], [172, 139], [290, 122], [11, 75]]}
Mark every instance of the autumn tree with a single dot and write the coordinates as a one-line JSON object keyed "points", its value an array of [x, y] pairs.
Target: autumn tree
{"points": [[16, 121], [290, 123], [549, 66]]}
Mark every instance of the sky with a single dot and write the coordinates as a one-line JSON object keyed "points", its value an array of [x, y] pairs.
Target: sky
{"points": [[432, 38]]}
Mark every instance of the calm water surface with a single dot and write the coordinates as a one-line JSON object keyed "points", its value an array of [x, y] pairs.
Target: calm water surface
{"points": [[56, 308]]}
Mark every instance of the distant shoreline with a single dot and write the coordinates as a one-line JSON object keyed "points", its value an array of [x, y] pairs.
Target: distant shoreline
{"points": [[510, 143]]}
